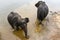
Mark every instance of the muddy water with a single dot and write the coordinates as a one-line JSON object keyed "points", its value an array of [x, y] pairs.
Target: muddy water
{"points": [[51, 28], [46, 32]]}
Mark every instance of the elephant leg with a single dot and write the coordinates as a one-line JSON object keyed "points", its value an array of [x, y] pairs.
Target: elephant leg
{"points": [[17, 27], [39, 22]]}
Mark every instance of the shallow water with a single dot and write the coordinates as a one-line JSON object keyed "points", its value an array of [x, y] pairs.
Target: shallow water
{"points": [[24, 8]]}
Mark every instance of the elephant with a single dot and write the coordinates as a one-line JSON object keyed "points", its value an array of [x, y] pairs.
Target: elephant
{"points": [[16, 21], [42, 11]]}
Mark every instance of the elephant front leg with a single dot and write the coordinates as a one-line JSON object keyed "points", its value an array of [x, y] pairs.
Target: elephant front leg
{"points": [[16, 27]]}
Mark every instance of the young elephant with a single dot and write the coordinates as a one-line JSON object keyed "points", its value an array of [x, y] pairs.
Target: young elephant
{"points": [[42, 10], [16, 21]]}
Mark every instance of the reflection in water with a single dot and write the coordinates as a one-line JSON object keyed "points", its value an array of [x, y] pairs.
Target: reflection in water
{"points": [[40, 27], [20, 34]]}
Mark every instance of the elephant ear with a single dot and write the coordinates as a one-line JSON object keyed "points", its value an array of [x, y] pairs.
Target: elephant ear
{"points": [[25, 20]]}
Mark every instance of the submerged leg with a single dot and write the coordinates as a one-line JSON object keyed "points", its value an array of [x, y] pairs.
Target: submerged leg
{"points": [[37, 22]]}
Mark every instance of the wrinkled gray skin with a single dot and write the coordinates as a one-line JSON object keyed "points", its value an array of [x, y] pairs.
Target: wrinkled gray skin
{"points": [[16, 21], [42, 10]]}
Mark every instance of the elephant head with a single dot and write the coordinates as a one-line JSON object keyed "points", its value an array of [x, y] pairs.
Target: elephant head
{"points": [[39, 3]]}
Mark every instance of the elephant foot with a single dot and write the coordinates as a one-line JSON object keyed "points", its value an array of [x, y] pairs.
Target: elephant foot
{"points": [[16, 29], [27, 37]]}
